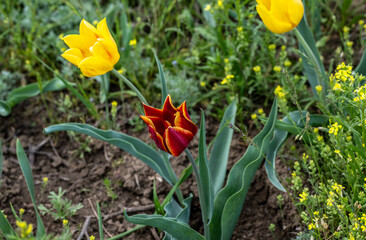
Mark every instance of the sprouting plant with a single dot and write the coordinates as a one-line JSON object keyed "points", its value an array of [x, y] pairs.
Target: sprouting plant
{"points": [[108, 185], [61, 207]]}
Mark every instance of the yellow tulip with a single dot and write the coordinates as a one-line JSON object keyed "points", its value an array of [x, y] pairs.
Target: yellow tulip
{"points": [[280, 16], [94, 50]]}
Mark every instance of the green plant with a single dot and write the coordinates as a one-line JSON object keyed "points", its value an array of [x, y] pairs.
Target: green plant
{"points": [[110, 192], [61, 208]]}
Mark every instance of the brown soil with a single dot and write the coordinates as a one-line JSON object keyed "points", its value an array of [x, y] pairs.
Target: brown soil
{"points": [[58, 159]]}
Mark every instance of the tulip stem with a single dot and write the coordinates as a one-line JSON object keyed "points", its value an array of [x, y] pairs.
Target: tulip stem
{"points": [[130, 85], [200, 189], [313, 59]]}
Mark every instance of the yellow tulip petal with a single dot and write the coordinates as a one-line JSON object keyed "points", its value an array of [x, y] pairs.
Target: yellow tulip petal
{"points": [[271, 22], [99, 51], [88, 30], [103, 29], [266, 3], [81, 42], [296, 11], [112, 50], [279, 10], [94, 66], [73, 55]]}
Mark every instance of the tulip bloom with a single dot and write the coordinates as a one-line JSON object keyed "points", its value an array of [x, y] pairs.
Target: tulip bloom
{"points": [[94, 50], [171, 128], [280, 16]]}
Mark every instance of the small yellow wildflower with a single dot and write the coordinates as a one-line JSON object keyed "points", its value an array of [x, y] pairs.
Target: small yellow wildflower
{"points": [[316, 213], [320, 138], [122, 70], [253, 116], [279, 92], [287, 63], [260, 111], [303, 196], [337, 151], [257, 68], [272, 46], [334, 128], [65, 222], [349, 43], [239, 29], [220, 4], [45, 180], [319, 88], [349, 138], [114, 104], [337, 87], [133, 42], [345, 29], [311, 226], [351, 237], [92, 237], [226, 60], [208, 7], [203, 84], [21, 211], [355, 227], [277, 68], [316, 130], [283, 47], [293, 174], [361, 22], [329, 202], [25, 229]]}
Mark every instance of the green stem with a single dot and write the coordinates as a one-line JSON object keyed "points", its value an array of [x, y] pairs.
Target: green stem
{"points": [[130, 85], [127, 232], [200, 190], [313, 59]]}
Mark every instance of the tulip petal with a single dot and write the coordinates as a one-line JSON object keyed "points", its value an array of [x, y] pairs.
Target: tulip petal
{"points": [[156, 123], [73, 55], [81, 42], [102, 27], [94, 66], [99, 51], [88, 30], [273, 24], [177, 139], [266, 3], [111, 49], [183, 122], [153, 112], [169, 110], [158, 139], [296, 11], [183, 109]]}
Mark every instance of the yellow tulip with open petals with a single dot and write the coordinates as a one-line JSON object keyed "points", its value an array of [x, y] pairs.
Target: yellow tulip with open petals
{"points": [[280, 16], [94, 50]]}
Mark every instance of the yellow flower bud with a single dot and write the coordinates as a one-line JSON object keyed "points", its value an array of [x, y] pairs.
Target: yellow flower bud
{"points": [[280, 16]]}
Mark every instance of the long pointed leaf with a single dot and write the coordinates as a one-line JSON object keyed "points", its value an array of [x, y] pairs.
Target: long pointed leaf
{"points": [[220, 149], [5, 226], [164, 88], [229, 201], [167, 224], [361, 68], [127, 143], [27, 172]]}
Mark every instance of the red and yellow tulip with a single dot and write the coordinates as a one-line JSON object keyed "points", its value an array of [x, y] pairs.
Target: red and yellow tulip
{"points": [[280, 16], [171, 128], [94, 50]]}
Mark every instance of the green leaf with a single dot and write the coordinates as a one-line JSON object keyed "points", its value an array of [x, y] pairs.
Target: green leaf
{"points": [[5, 226], [220, 149], [127, 143], [230, 199], [174, 210], [208, 16], [5, 109], [170, 225], [100, 224], [164, 88], [27, 172], [361, 68], [206, 199], [157, 204]]}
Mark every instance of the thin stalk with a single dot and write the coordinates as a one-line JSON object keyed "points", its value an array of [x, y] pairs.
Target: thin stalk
{"points": [[313, 59], [130, 85], [200, 190], [127, 232]]}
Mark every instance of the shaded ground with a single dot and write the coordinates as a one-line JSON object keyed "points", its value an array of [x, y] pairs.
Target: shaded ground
{"points": [[57, 157]]}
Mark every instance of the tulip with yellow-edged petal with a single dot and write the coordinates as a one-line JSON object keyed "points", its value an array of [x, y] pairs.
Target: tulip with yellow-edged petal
{"points": [[94, 50], [280, 16], [171, 128]]}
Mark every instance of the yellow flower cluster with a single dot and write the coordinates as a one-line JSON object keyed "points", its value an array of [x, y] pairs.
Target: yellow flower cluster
{"points": [[342, 75], [303, 196], [279, 92], [334, 128], [227, 79], [360, 94], [337, 187], [25, 229]]}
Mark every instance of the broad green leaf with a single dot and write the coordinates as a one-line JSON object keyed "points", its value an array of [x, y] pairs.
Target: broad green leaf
{"points": [[127, 143], [220, 149], [230, 199], [27, 172], [361, 68], [206, 199], [164, 89], [5, 226], [174, 210], [170, 225], [311, 73]]}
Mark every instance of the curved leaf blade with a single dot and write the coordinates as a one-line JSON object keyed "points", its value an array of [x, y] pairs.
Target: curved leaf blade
{"points": [[220, 150], [127, 143]]}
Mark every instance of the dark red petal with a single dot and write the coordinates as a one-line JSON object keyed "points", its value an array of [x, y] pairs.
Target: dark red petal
{"points": [[158, 139], [177, 139], [156, 122], [183, 122], [153, 112], [169, 110], [183, 109]]}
